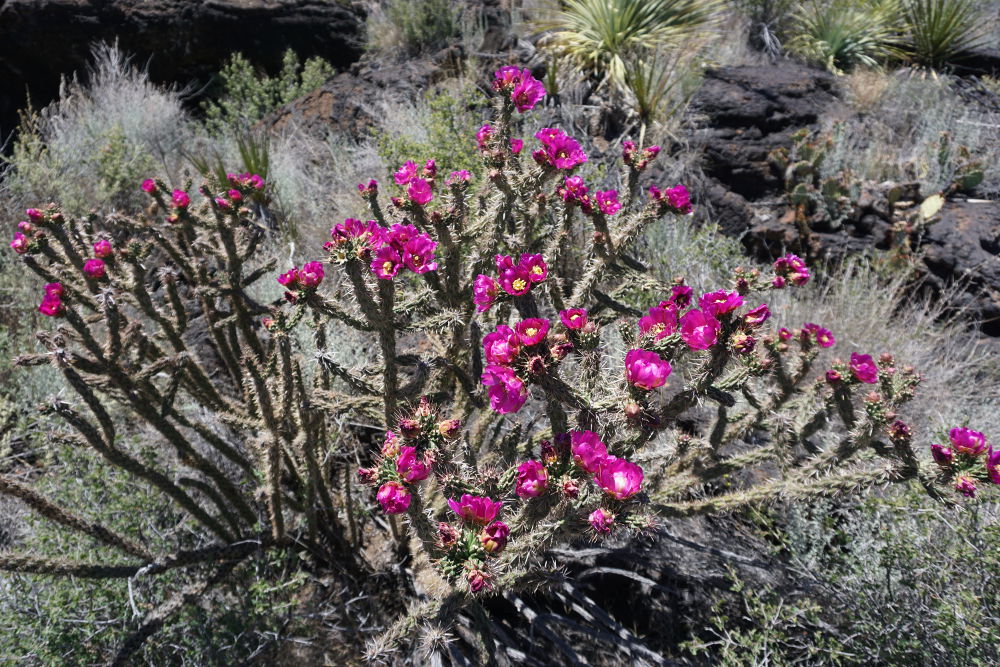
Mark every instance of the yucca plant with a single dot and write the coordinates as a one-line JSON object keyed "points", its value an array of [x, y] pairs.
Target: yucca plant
{"points": [[843, 34], [941, 32], [660, 85], [598, 35]]}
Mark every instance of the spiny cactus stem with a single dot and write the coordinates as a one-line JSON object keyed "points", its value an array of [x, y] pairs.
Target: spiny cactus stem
{"points": [[387, 340]]}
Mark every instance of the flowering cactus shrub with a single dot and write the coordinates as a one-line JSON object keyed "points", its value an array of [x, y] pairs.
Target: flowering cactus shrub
{"points": [[520, 396]]}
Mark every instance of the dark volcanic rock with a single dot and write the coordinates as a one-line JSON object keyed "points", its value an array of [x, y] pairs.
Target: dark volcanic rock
{"points": [[963, 247], [183, 40]]}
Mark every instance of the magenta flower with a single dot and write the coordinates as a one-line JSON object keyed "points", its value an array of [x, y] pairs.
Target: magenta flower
{"points": [[607, 202], [943, 456], [479, 579], [573, 190], [602, 521], [386, 263], [993, 465], [532, 330], [406, 173], [516, 145], [574, 318], [824, 337], [720, 302], [757, 316], [418, 254], [527, 92], [538, 270], [394, 498], [52, 305], [391, 445], [966, 486], [34, 214], [790, 267], [661, 320], [681, 295], [494, 537], [967, 441], [368, 190], [589, 451], [475, 509], [646, 370], [784, 334], [678, 199], [420, 191], [484, 292], [290, 279], [532, 479], [55, 289], [20, 243], [411, 467], [506, 78], [94, 268], [501, 346], [516, 280], [503, 262], [863, 368], [483, 136], [619, 478], [460, 176], [560, 151], [368, 232], [103, 249], [311, 275], [699, 330], [148, 186], [507, 391], [181, 199]]}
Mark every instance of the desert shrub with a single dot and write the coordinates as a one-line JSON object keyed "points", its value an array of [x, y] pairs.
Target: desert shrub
{"points": [[843, 34], [255, 404], [414, 26], [769, 21], [246, 94], [941, 32]]}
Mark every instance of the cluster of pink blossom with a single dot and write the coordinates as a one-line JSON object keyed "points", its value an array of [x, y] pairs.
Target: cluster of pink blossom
{"points": [[485, 134], [574, 191], [961, 461], [52, 304], [245, 182], [637, 159], [419, 182], [559, 150], [790, 268], [524, 89], [676, 199], [390, 249], [515, 279], [298, 281], [21, 243], [861, 368]]}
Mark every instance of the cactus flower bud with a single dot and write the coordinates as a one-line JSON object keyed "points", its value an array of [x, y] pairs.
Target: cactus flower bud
{"points": [[993, 465], [646, 370], [181, 199], [570, 488], [601, 521], [409, 428], [103, 249], [494, 537], [450, 428], [478, 580], [411, 467], [447, 534], [148, 186], [943, 456], [966, 486]]}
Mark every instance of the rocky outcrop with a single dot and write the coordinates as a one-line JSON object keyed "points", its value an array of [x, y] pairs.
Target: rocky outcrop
{"points": [[183, 41]]}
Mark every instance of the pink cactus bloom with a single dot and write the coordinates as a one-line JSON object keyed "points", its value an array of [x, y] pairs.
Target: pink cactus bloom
{"points": [[757, 316], [966, 486], [460, 176], [430, 169], [538, 270], [234, 195], [479, 580], [507, 391], [516, 145], [311, 275], [792, 268], [222, 203], [148, 186], [863, 368], [351, 228], [619, 478], [785, 334], [943, 456], [532, 331], [824, 337], [369, 189], [699, 330], [394, 498], [94, 268], [420, 191], [660, 322], [20, 243], [574, 190], [532, 479], [494, 537], [399, 234], [479, 510], [720, 302], [103, 249], [967, 441], [483, 136], [411, 467], [646, 370], [527, 92], [564, 152], [290, 279], [993, 465], [602, 521], [386, 263], [503, 262], [484, 292], [34, 214], [418, 254], [181, 199], [607, 202], [833, 377], [588, 450], [501, 346], [681, 295], [51, 305], [574, 318], [406, 173], [516, 280], [678, 199], [25, 227], [506, 78], [628, 150], [391, 445], [53, 289]]}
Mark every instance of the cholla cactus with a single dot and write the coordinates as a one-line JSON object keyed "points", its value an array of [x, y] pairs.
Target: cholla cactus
{"points": [[543, 408]]}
